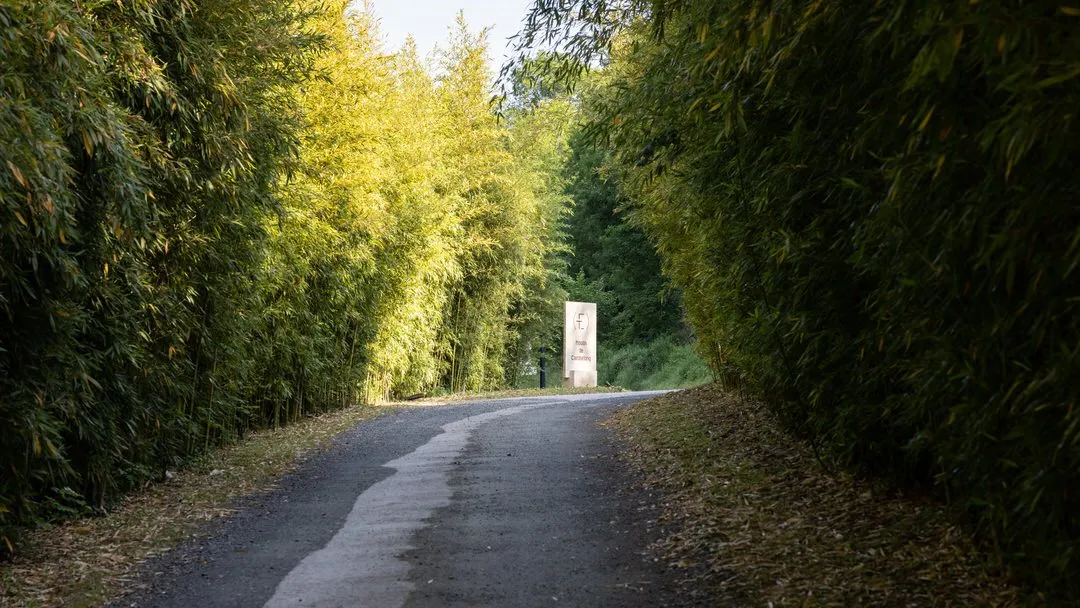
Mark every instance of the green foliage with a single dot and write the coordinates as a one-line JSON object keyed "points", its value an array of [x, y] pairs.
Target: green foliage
{"points": [[227, 215], [539, 140], [139, 142], [510, 208], [615, 264], [870, 208], [664, 363]]}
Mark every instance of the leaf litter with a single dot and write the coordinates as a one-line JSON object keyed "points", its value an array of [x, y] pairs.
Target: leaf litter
{"points": [[89, 561], [751, 513]]}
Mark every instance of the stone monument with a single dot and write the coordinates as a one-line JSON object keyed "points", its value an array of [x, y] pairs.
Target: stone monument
{"points": [[579, 345]]}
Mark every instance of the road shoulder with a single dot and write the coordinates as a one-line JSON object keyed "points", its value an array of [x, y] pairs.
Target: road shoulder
{"points": [[753, 512]]}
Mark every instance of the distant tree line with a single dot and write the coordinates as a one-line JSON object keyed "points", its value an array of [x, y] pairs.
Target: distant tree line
{"points": [[871, 209], [611, 260], [221, 216]]}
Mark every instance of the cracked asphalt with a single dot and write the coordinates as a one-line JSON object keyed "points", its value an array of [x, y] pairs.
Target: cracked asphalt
{"points": [[511, 502]]}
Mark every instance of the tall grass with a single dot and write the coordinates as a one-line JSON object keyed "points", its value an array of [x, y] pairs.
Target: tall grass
{"points": [[663, 363]]}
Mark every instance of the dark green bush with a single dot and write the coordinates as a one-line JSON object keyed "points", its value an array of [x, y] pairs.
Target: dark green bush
{"points": [[138, 157], [873, 210], [664, 363]]}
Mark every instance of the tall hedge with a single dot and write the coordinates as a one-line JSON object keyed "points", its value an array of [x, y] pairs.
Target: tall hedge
{"points": [[139, 141], [873, 210], [227, 215]]}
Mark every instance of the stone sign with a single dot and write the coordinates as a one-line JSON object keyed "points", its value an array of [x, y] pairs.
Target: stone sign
{"points": [[579, 344]]}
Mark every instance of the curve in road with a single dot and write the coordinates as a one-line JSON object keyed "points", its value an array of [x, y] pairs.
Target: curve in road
{"points": [[518, 502]]}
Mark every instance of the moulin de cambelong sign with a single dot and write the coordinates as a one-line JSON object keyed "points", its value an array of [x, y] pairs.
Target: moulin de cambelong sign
{"points": [[579, 344]]}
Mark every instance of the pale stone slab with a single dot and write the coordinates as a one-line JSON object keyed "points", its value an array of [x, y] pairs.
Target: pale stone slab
{"points": [[579, 344]]}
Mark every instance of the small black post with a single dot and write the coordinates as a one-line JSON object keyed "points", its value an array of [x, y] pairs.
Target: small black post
{"points": [[543, 372]]}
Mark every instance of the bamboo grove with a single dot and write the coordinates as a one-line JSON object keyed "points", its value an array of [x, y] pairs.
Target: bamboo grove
{"points": [[872, 210], [225, 215]]}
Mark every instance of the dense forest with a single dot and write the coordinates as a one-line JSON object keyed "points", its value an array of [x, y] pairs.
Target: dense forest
{"points": [[644, 341], [227, 215], [871, 211]]}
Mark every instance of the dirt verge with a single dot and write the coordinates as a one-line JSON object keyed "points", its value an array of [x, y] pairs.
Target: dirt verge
{"points": [[756, 515], [87, 561]]}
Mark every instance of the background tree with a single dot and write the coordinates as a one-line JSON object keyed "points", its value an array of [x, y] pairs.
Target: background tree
{"points": [[612, 255]]}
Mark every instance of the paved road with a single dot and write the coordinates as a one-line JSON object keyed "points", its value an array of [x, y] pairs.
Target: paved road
{"points": [[514, 502]]}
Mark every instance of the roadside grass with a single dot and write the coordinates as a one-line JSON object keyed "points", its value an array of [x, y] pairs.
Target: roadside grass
{"points": [[755, 515], [663, 363], [87, 561], [516, 393]]}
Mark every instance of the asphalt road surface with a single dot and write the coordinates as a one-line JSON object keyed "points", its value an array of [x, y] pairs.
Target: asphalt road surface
{"points": [[512, 502]]}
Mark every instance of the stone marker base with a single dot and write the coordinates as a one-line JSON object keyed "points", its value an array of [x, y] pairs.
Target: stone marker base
{"points": [[579, 380]]}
